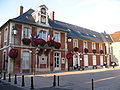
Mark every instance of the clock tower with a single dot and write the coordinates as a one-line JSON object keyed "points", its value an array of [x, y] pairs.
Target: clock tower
{"points": [[41, 15]]}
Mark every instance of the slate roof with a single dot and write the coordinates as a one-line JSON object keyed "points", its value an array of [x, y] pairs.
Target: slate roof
{"points": [[106, 37], [73, 30]]}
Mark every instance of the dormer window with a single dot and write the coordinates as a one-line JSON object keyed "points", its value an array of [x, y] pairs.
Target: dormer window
{"points": [[43, 19], [41, 15]]}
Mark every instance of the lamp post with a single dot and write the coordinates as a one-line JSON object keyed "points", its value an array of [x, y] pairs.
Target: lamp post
{"points": [[14, 31], [69, 39]]}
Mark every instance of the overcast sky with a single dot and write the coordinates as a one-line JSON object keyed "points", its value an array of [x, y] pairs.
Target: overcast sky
{"points": [[97, 15]]}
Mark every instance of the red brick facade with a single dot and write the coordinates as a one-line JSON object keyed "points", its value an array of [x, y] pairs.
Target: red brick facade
{"points": [[48, 57], [90, 53]]}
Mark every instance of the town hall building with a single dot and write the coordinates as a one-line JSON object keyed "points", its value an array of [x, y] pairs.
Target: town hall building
{"points": [[36, 42]]}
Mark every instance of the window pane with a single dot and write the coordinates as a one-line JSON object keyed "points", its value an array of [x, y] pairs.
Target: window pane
{"points": [[26, 32], [25, 62], [56, 35], [42, 34]]}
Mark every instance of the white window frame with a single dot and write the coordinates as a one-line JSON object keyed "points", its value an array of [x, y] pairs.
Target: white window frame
{"points": [[101, 47], [94, 60], [101, 60], [85, 44], [85, 60], [93, 45], [76, 60], [27, 34], [30, 30], [58, 36], [4, 58], [57, 68], [42, 36], [5, 34], [29, 60], [75, 43]]}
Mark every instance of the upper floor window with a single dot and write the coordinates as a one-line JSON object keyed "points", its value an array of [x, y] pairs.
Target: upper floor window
{"points": [[101, 48], [93, 45], [75, 43], [26, 32], [42, 34], [56, 37], [5, 35], [85, 44]]}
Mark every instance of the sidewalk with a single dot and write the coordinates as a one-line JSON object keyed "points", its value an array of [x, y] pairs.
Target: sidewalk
{"points": [[46, 80], [77, 72]]}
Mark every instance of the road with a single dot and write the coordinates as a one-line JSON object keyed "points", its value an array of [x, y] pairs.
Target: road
{"points": [[104, 79]]}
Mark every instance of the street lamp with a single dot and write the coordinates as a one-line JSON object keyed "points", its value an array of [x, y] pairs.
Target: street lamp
{"points": [[14, 30], [69, 39]]}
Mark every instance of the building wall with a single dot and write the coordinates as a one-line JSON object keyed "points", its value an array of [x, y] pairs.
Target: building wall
{"points": [[116, 52], [89, 53], [17, 41]]}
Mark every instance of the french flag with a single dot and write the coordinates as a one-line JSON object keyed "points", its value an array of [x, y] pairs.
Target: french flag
{"points": [[49, 38], [53, 38], [35, 34]]}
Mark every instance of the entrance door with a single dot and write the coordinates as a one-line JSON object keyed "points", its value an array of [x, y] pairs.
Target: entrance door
{"points": [[94, 60], [57, 61], [85, 60]]}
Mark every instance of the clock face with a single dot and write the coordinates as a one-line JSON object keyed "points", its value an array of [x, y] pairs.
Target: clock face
{"points": [[43, 11]]}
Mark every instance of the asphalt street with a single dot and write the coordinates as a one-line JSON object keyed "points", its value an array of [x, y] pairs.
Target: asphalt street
{"points": [[103, 79]]}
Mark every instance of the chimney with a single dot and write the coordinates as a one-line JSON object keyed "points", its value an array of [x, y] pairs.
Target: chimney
{"points": [[52, 15], [21, 10]]}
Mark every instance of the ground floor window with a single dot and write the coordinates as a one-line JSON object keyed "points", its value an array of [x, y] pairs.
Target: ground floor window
{"points": [[76, 60], [85, 60], [101, 60], [4, 66], [94, 60], [26, 60]]}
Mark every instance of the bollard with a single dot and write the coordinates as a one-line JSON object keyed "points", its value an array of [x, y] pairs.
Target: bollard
{"points": [[4, 77], [9, 79], [58, 80], [92, 85], [23, 83], [32, 84], [0, 75], [54, 81], [15, 82]]}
